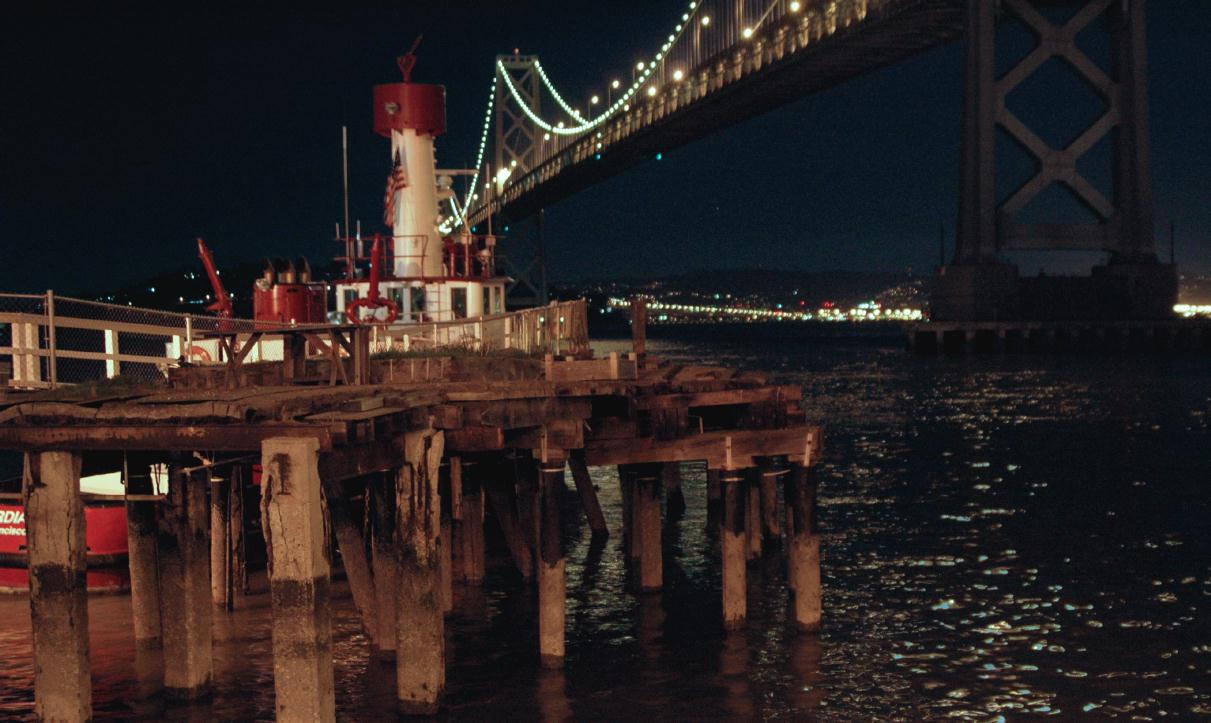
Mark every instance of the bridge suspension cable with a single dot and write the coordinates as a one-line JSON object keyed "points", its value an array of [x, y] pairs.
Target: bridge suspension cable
{"points": [[705, 30]]}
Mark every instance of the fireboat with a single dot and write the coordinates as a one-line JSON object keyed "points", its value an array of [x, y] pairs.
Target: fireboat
{"points": [[417, 274]]}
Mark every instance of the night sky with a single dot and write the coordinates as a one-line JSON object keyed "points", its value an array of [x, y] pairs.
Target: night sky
{"points": [[124, 134]]}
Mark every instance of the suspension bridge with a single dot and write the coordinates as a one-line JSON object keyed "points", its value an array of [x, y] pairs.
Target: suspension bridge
{"points": [[725, 61]]}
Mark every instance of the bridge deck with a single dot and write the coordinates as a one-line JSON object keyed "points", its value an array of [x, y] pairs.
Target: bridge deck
{"points": [[784, 63]]}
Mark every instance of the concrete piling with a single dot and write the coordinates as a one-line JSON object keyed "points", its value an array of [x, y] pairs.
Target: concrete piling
{"points": [[141, 555], [552, 582], [804, 549], [55, 537], [733, 549], [292, 516], [183, 555], [420, 627]]}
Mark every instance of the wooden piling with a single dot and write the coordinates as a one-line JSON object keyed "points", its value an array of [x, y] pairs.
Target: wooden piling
{"points": [[55, 537], [771, 529], [220, 541], [183, 555], [501, 496], [458, 572], [473, 532], [752, 510], [670, 477], [647, 504], [420, 627], [804, 549], [588, 495], [352, 545], [292, 517], [141, 556], [239, 569], [552, 582], [631, 541], [445, 559], [733, 550], [381, 489], [714, 502]]}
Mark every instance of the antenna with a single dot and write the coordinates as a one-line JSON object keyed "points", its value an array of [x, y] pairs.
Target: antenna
{"points": [[345, 178]]}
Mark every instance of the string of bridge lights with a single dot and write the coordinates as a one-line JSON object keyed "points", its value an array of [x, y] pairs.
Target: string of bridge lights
{"points": [[583, 124]]}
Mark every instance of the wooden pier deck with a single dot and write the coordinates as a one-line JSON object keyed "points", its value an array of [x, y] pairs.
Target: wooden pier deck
{"points": [[432, 446]]}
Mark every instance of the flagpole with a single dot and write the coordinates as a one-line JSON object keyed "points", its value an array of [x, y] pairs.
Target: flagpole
{"points": [[345, 175]]}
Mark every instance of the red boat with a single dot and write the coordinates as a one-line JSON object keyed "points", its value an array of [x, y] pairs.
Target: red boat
{"points": [[105, 536]]}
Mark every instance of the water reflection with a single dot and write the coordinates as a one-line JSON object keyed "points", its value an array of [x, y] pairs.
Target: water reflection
{"points": [[1003, 537]]}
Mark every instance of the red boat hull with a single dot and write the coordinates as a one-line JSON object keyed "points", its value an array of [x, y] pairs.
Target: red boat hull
{"points": [[105, 524]]}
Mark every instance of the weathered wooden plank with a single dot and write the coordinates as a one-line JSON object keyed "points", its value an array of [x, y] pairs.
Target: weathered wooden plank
{"points": [[722, 397], [729, 449], [167, 437]]}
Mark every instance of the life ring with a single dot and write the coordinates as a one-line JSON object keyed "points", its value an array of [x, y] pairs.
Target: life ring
{"points": [[355, 318], [200, 354]]}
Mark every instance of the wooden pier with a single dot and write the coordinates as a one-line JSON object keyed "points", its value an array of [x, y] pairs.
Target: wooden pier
{"points": [[434, 448]]}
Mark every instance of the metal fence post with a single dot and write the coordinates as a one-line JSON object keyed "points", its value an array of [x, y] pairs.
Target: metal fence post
{"points": [[50, 337], [188, 351]]}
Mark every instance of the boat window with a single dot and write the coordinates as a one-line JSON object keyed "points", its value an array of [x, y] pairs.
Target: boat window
{"points": [[458, 303], [418, 303]]}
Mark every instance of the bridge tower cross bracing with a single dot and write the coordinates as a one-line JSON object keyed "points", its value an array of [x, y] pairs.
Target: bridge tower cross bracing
{"points": [[978, 285], [518, 146], [518, 141]]}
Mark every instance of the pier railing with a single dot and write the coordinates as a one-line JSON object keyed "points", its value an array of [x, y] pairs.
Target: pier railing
{"points": [[562, 327], [47, 340]]}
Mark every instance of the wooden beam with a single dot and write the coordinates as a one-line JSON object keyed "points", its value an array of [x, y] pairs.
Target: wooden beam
{"points": [[166, 437], [725, 449]]}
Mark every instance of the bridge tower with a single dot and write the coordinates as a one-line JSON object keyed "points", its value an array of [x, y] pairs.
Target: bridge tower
{"points": [[518, 149], [979, 284]]}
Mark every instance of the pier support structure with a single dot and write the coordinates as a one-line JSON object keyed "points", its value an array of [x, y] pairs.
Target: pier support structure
{"points": [[552, 581], [183, 555], [141, 555], [733, 549], [646, 504], [803, 548], [54, 523], [978, 285], [381, 489], [420, 625], [292, 517]]}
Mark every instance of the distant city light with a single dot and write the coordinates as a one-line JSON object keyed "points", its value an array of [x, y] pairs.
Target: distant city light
{"points": [[795, 6], [678, 75], [748, 33], [706, 20]]}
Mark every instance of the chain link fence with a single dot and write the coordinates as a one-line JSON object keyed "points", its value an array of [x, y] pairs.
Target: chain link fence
{"points": [[47, 340]]}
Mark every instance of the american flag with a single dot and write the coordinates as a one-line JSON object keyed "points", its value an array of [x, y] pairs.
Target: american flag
{"points": [[396, 182]]}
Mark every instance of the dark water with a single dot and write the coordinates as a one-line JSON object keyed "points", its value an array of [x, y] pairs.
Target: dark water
{"points": [[1003, 536]]}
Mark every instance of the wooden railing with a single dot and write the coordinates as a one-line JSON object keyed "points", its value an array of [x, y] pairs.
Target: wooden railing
{"points": [[562, 327], [48, 340]]}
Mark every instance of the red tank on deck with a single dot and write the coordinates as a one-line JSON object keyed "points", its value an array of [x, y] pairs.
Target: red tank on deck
{"points": [[290, 296]]}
